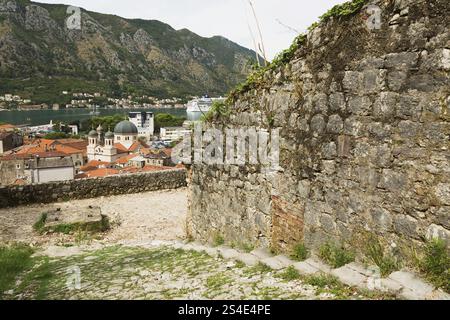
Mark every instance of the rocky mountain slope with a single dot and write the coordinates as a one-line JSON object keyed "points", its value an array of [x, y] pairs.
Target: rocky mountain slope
{"points": [[40, 56]]}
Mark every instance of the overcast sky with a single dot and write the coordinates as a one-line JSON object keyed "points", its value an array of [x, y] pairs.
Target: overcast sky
{"points": [[228, 18]]}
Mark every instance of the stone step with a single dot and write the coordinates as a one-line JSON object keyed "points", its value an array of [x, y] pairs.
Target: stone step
{"points": [[386, 285], [228, 253], [414, 288], [305, 268], [261, 253], [278, 262], [248, 259], [350, 277], [318, 265], [213, 252], [368, 272]]}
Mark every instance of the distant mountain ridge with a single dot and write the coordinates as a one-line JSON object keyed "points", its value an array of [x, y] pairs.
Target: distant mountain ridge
{"points": [[40, 56]]}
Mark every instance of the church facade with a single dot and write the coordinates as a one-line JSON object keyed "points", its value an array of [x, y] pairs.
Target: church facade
{"points": [[109, 146]]}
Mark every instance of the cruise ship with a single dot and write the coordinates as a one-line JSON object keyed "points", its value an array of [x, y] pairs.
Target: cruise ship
{"points": [[202, 104]]}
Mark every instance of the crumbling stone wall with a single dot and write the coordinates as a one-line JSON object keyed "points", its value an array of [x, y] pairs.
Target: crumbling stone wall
{"points": [[11, 196], [364, 119]]}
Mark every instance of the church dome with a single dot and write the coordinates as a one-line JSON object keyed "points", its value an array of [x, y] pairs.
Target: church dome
{"points": [[93, 134], [109, 135], [125, 128]]}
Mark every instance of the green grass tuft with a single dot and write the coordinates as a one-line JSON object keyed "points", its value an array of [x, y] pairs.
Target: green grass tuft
{"points": [[218, 240], [435, 264], [335, 255], [290, 274], [375, 253], [299, 252], [322, 281]]}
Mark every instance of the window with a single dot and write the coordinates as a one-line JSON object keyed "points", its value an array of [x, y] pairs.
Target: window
{"points": [[18, 166]]}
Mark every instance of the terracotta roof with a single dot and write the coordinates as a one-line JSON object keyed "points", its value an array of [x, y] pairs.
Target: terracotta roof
{"points": [[42, 155], [98, 173], [133, 148], [125, 159], [67, 149], [20, 182], [120, 148], [74, 143], [94, 165]]}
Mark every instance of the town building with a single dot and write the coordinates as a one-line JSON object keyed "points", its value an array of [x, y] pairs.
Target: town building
{"points": [[9, 140], [171, 134], [36, 168], [144, 122], [75, 148], [110, 147], [158, 158]]}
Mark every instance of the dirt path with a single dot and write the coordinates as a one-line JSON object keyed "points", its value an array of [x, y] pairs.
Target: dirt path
{"points": [[145, 216]]}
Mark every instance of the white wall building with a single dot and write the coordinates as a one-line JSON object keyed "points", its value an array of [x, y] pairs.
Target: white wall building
{"points": [[170, 134], [144, 122], [52, 169]]}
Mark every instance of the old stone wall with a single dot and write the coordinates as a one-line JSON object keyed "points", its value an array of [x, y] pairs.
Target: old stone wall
{"points": [[12, 196], [364, 119]]}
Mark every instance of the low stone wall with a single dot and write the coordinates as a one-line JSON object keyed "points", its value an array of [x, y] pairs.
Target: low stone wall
{"points": [[12, 196]]}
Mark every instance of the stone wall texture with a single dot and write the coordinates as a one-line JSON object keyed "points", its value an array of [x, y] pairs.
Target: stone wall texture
{"points": [[364, 119], [12, 196]]}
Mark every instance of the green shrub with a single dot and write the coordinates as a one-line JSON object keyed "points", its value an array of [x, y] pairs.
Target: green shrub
{"points": [[299, 252], [335, 255], [435, 264], [375, 253]]}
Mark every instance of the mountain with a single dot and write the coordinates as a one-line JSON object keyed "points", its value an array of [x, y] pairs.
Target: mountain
{"points": [[40, 57]]}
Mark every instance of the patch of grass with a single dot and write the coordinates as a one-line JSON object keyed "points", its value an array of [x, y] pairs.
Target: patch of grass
{"points": [[299, 252], [336, 255], [100, 226], [218, 240], [259, 268], [375, 252], [290, 274], [321, 280], [14, 260], [217, 281], [239, 264], [435, 264], [262, 268]]}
